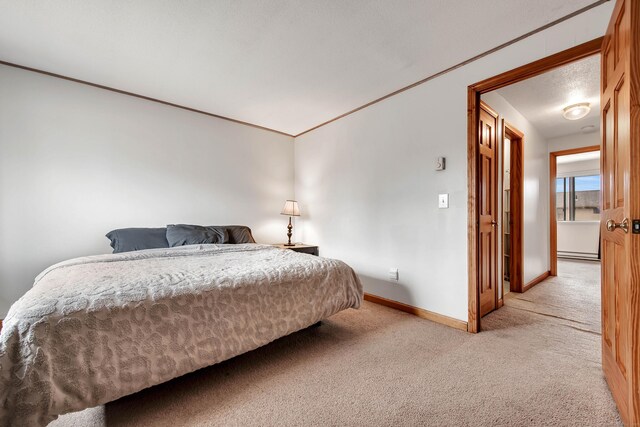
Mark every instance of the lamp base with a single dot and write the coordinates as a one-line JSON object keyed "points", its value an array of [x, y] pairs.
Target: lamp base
{"points": [[289, 234]]}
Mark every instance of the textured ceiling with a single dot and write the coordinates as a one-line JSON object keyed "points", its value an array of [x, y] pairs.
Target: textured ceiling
{"points": [[284, 64], [541, 99]]}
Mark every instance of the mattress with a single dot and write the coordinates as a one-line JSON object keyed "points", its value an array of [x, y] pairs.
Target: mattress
{"points": [[97, 328]]}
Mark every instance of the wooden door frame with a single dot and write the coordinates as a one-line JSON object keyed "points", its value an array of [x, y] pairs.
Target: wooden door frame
{"points": [[473, 104], [553, 222], [516, 205]]}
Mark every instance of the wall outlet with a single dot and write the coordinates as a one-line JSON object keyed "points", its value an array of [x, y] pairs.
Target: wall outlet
{"points": [[393, 274], [443, 201]]}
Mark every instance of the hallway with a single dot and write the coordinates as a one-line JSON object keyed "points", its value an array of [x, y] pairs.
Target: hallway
{"points": [[572, 297]]}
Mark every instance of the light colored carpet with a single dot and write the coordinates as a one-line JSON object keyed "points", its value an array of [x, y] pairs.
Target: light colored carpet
{"points": [[378, 366]]}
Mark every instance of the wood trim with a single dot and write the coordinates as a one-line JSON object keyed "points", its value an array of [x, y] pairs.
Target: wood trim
{"points": [[500, 302], [535, 281], [420, 312], [473, 114], [516, 204], [578, 150], [1, 324], [461, 64], [540, 66], [513, 131], [368, 104], [490, 110], [473, 100], [501, 145], [553, 223], [146, 98]]}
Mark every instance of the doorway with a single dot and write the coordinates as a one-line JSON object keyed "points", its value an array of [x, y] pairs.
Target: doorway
{"points": [[481, 263], [619, 143], [574, 201], [512, 208]]}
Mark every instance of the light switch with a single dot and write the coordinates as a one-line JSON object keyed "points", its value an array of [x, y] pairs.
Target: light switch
{"points": [[443, 201], [393, 274]]}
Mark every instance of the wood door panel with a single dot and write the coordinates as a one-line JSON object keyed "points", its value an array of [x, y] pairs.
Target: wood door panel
{"points": [[486, 182], [616, 382], [620, 142], [607, 155], [487, 203], [621, 36], [608, 299], [621, 313], [486, 268], [620, 148], [608, 63]]}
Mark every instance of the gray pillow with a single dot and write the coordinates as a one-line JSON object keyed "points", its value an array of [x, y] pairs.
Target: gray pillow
{"points": [[239, 234], [135, 239], [184, 234]]}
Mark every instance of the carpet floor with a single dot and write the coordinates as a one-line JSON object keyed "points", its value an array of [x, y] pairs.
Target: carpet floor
{"points": [[537, 362]]}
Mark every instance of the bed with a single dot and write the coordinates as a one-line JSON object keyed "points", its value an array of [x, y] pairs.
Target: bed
{"points": [[97, 328]]}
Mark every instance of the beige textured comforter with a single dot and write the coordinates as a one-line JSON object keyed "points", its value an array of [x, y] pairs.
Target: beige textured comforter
{"points": [[97, 328]]}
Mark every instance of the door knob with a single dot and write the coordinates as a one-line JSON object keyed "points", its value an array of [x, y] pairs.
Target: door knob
{"points": [[624, 225], [493, 223]]}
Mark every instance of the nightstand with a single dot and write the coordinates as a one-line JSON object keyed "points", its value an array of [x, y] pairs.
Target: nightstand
{"points": [[299, 247]]}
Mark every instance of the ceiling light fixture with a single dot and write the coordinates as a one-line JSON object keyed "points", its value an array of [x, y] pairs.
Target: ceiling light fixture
{"points": [[576, 111]]}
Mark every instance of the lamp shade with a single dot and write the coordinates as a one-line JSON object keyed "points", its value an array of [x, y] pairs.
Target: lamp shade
{"points": [[290, 208]]}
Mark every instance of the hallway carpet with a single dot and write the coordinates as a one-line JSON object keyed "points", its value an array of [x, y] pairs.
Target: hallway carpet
{"points": [[537, 362]]}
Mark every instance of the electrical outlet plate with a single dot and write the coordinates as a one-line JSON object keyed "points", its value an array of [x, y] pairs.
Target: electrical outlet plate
{"points": [[443, 201]]}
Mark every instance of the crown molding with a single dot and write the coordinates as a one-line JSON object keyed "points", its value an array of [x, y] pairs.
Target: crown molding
{"points": [[368, 104], [146, 98]]}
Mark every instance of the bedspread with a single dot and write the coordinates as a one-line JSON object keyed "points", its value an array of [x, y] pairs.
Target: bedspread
{"points": [[97, 328]]}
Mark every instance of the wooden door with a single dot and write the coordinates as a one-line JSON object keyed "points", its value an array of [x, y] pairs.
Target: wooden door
{"points": [[488, 204], [516, 206], [620, 114]]}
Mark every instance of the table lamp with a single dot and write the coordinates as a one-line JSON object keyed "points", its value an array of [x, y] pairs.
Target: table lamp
{"points": [[290, 208]]}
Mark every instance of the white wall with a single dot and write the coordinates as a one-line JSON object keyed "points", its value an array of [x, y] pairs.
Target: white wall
{"points": [[535, 191], [581, 168], [77, 162], [368, 188], [577, 140], [579, 237]]}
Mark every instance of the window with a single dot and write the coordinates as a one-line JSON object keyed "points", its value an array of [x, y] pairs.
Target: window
{"points": [[578, 198]]}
